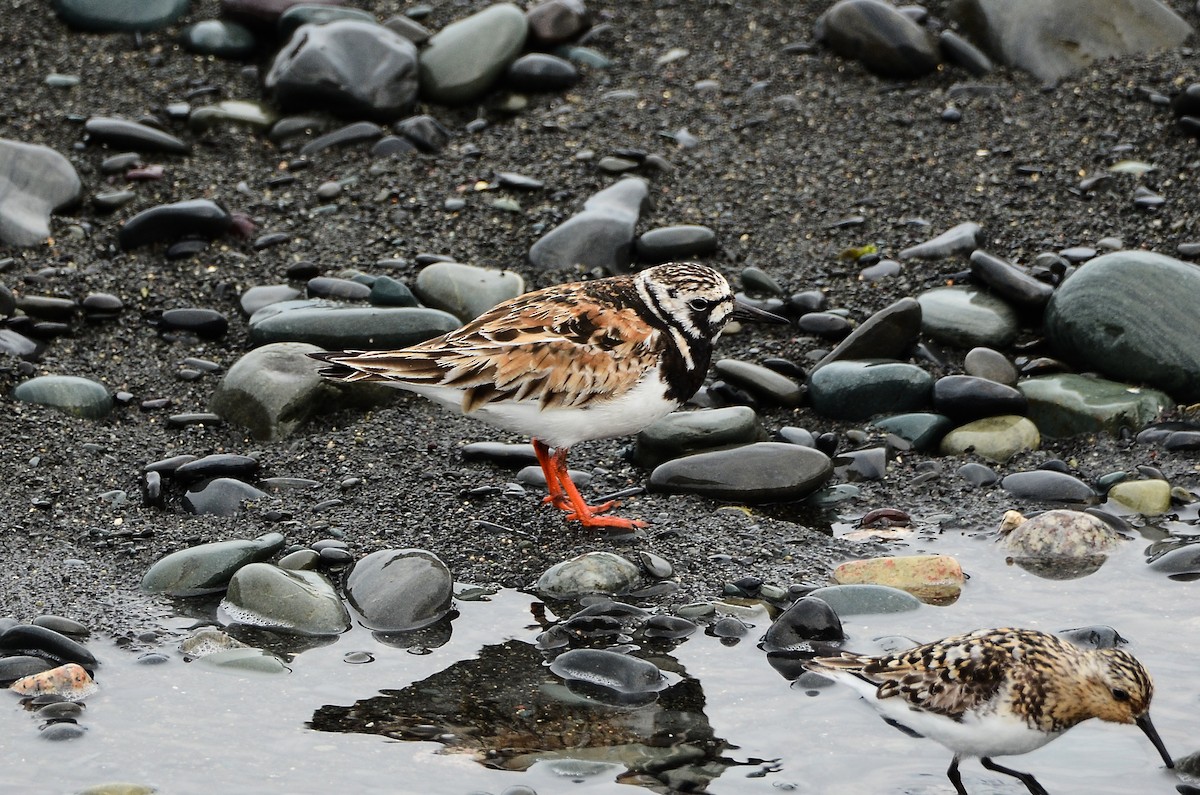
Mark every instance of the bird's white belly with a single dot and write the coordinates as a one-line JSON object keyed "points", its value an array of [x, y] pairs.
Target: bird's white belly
{"points": [[991, 735], [563, 427]]}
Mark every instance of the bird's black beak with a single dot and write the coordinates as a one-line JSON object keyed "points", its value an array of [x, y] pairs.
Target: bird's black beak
{"points": [[1148, 728], [745, 312]]}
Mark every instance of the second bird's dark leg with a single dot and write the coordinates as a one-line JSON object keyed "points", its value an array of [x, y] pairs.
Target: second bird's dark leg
{"points": [[956, 778], [1027, 779]]}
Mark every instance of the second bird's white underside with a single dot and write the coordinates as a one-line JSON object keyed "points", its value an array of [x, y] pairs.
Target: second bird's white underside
{"points": [[564, 427], [986, 734]]}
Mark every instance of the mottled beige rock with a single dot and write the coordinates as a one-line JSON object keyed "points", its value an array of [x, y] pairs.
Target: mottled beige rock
{"points": [[934, 579]]}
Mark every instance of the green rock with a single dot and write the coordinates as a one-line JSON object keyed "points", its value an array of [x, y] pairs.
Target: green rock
{"points": [[297, 602], [1131, 315], [1066, 404], [923, 430], [111, 15], [1147, 497], [994, 438], [966, 317], [207, 568], [220, 37], [463, 59], [858, 390], [70, 394]]}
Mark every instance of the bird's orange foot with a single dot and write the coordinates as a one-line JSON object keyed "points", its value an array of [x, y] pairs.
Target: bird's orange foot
{"points": [[591, 520]]}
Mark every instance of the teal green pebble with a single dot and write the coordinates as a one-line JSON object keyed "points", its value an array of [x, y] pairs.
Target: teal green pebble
{"points": [[70, 394], [858, 390], [114, 15], [220, 37], [1065, 404]]}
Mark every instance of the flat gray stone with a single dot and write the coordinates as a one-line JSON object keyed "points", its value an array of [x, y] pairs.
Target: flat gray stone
{"points": [[967, 318], [887, 334], [272, 390], [207, 568], [858, 390], [341, 327], [685, 432], [755, 473], [601, 236], [466, 291], [884, 40], [113, 15], [70, 394]]}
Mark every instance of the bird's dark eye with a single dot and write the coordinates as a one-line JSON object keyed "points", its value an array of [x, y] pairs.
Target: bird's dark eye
{"points": [[699, 304], [1120, 695]]}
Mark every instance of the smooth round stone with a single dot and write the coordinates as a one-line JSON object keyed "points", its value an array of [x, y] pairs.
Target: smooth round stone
{"points": [[386, 291], [61, 624], [272, 390], [208, 323], [397, 590], [462, 60], [61, 731], [132, 135], [924, 431], [345, 66], [1180, 560], [967, 397], [1008, 281], [1147, 497], [534, 476], [763, 383], [215, 466], [1130, 315], [220, 497], [46, 307], [866, 599], [332, 287], [824, 324], [112, 15], [858, 390], [1053, 40], [100, 305], [300, 560], [296, 602], [610, 670], [675, 243], [35, 181], [884, 40], [590, 573], [539, 71], [956, 240], [220, 37], [601, 236], [994, 438], [1065, 404], [808, 619], [232, 113], [800, 436], [207, 568], [870, 464], [18, 344], [966, 317], [243, 660], [202, 217], [684, 432], [889, 333], [977, 475], [70, 394], [990, 364], [1048, 485], [26, 638], [256, 298], [754, 473], [961, 52], [934, 579], [337, 327], [466, 291], [499, 453]]}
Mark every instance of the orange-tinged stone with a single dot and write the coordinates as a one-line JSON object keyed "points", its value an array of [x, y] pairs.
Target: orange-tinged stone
{"points": [[934, 579], [70, 681]]}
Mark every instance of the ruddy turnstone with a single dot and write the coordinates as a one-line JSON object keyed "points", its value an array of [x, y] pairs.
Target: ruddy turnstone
{"points": [[997, 692], [571, 363]]}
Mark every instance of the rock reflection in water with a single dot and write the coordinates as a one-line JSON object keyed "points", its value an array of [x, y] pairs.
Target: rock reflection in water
{"points": [[508, 710]]}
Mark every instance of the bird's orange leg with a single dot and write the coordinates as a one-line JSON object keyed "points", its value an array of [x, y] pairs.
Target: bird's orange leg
{"points": [[580, 511], [546, 462]]}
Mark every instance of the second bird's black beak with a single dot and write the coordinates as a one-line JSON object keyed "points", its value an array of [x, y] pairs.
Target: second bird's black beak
{"points": [[1146, 726], [746, 312]]}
